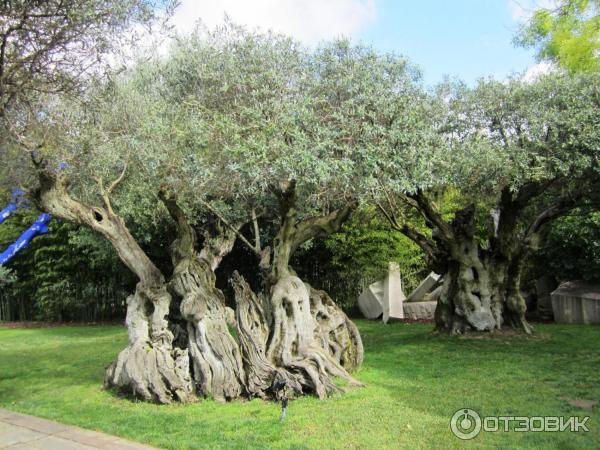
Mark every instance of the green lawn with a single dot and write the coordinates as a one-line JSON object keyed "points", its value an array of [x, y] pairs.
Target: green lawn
{"points": [[416, 381]]}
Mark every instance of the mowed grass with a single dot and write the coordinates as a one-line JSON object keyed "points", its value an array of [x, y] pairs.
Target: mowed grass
{"points": [[415, 382]]}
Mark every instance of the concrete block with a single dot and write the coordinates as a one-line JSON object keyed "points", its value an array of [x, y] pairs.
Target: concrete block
{"points": [[424, 287], [370, 300], [543, 288], [420, 310], [393, 295], [434, 295], [576, 302]]}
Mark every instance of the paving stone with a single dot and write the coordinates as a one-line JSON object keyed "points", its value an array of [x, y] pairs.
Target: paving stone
{"points": [[36, 424], [21, 431], [13, 434], [53, 443]]}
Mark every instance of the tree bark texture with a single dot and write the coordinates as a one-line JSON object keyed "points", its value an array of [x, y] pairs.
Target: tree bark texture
{"points": [[481, 284], [149, 367], [180, 340], [298, 333], [214, 354]]}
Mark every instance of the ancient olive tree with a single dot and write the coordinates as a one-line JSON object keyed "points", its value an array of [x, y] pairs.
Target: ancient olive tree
{"points": [[258, 133], [513, 157], [300, 160], [230, 128]]}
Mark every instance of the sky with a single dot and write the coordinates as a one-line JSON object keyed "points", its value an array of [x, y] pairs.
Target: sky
{"points": [[466, 39]]}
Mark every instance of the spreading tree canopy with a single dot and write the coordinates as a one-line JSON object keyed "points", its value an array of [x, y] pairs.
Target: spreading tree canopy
{"points": [[231, 127], [519, 155]]}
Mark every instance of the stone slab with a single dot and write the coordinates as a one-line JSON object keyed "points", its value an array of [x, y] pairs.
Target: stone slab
{"points": [[420, 310], [424, 287], [52, 443], [370, 301], [35, 423], [14, 434], [21, 431], [433, 296], [393, 297], [576, 302]]}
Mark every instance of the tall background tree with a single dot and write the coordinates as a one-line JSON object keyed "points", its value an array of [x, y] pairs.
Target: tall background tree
{"points": [[568, 35], [50, 48], [527, 151]]}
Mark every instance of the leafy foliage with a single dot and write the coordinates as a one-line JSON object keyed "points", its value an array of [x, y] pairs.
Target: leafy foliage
{"points": [[571, 249], [568, 35], [67, 274], [229, 113], [362, 250], [53, 45], [6, 277]]}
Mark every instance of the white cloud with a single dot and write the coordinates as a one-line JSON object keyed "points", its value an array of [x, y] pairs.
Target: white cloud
{"points": [[522, 10], [537, 70], [309, 21]]}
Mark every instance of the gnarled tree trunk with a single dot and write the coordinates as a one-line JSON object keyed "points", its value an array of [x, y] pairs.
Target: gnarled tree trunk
{"points": [[469, 297], [305, 343], [149, 367], [215, 356], [481, 286], [334, 331], [296, 334]]}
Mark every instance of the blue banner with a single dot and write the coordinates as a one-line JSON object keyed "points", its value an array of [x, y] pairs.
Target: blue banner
{"points": [[40, 226], [16, 202], [6, 212]]}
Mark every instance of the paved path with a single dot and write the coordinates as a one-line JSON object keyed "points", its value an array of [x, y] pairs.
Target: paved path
{"points": [[20, 431]]}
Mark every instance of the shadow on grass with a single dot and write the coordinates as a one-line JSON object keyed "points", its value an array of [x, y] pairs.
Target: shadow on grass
{"points": [[414, 366], [35, 361], [415, 378]]}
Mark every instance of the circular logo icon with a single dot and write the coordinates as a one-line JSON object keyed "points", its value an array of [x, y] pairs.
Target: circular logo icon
{"points": [[465, 424]]}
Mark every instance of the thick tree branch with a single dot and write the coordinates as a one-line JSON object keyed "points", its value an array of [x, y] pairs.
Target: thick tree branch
{"points": [[529, 191], [184, 245], [391, 218], [53, 196], [555, 210], [286, 195], [588, 188], [430, 213], [426, 244], [321, 226], [234, 228]]}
